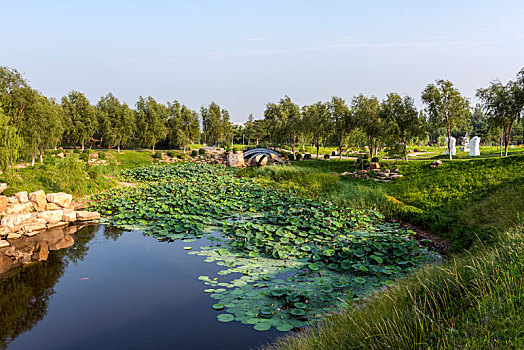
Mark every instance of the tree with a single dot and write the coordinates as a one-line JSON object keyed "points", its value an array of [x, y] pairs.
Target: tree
{"points": [[285, 120], [116, 121], [80, 116], [341, 122], [45, 124], [182, 124], [215, 124], [367, 115], [503, 106], [151, 121], [10, 141], [445, 107], [317, 119], [402, 120]]}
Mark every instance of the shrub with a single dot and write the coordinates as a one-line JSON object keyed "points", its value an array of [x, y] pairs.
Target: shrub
{"points": [[60, 150], [302, 150], [157, 155], [235, 149], [201, 151], [76, 150], [87, 151], [102, 155], [181, 156], [334, 153], [194, 153], [375, 160], [299, 156], [326, 156], [365, 156], [307, 156], [291, 156], [84, 157], [172, 154]]}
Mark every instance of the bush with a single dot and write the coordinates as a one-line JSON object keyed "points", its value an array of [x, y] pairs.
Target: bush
{"points": [[299, 156], [302, 150], [194, 153], [84, 157], [375, 160], [291, 156], [326, 156], [201, 151], [365, 156], [102, 155], [172, 154], [87, 151], [235, 149], [76, 150], [307, 156], [181, 156], [157, 155]]}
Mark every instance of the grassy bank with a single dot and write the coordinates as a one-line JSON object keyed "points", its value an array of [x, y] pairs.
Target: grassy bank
{"points": [[73, 174]]}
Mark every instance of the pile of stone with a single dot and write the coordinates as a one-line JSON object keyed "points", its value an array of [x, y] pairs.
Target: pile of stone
{"points": [[435, 164], [375, 174], [28, 214]]}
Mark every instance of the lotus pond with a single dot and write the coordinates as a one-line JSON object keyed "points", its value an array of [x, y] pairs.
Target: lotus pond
{"points": [[285, 261]]}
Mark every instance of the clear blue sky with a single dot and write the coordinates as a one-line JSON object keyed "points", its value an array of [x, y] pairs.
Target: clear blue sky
{"points": [[243, 54]]}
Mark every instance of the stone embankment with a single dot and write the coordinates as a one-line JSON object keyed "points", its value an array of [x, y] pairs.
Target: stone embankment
{"points": [[375, 174], [28, 214]]}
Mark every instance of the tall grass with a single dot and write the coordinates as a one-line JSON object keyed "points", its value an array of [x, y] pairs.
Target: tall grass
{"points": [[473, 301]]}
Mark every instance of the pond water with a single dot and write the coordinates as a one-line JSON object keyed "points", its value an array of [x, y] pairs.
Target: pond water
{"points": [[114, 290]]}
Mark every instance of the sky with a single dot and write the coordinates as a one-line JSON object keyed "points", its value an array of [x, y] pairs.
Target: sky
{"points": [[244, 54]]}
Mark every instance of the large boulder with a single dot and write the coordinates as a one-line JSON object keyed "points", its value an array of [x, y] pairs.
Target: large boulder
{"points": [[69, 215], [235, 159], [38, 198], [19, 208], [87, 215], [62, 199], [22, 197], [34, 226], [14, 222], [3, 204], [4, 244], [52, 216]]}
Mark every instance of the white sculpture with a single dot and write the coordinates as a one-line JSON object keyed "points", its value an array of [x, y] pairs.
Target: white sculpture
{"points": [[465, 144], [474, 146], [452, 146]]}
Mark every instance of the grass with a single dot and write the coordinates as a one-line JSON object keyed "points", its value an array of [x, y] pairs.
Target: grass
{"points": [[473, 301]]}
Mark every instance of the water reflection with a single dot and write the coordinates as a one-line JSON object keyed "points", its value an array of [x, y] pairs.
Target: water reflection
{"points": [[29, 273]]}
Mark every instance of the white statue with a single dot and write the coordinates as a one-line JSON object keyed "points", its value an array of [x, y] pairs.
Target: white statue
{"points": [[474, 146], [452, 146], [465, 144]]}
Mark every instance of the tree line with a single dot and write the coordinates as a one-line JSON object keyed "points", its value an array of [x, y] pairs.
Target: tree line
{"points": [[31, 122]]}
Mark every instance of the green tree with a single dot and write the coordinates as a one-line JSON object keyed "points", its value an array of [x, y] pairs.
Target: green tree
{"points": [[183, 125], [47, 125], [367, 115], [317, 118], [285, 120], [216, 124], [445, 107], [10, 141], [341, 122], [80, 116], [402, 120], [151, 121], [503, 106], [116, 121]]}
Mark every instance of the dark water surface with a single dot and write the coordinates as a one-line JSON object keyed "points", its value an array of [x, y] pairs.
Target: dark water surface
{"points": [[114, 290]]}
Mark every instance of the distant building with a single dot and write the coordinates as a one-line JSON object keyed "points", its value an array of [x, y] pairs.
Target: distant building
{"points": [[239, 125]]}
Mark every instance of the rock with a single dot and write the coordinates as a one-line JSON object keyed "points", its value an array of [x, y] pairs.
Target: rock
{"points": [[435, 164], [3, 204], [52, 206], [69, 215], [4, 244], [22, 197], [394, 176], [19, 208], [14, 222], [387, 171], [52, 216], [34, 226], [39, 200], [87, 215], [3, 186], [13, 235], [61, 198], [65, 242], [58, 224], [235, 159]]}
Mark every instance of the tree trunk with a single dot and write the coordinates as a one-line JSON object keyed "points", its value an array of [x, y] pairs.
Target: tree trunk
{"points": [[41, 155], [118, 147], [83, 145], [318, 146], [340, 150], [153, 150], [449, 144], [405, 152], [33, 158]]}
